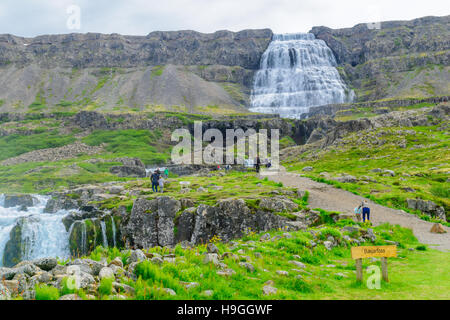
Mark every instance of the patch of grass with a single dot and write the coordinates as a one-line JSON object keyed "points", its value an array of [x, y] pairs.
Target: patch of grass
{"points": [[105, 288], [420, 165], [44, 292], [143, 144], [15, 144]]}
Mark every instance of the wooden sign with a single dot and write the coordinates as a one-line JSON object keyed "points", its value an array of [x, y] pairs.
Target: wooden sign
{"points": [[374, 251], [383, 252]]}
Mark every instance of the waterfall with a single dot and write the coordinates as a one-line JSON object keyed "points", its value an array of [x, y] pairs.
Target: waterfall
{"points": [[42, 235], [84, 238], [113, 224], [297, 71], [105, 238]]}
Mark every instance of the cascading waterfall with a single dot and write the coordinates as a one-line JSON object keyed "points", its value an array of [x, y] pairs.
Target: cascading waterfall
{"points": [[105, 238], [42, 235], [297, 72], [113, 224], [84, 237]]}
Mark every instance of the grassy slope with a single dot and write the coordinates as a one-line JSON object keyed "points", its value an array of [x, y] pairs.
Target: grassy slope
{"points": [[423, 165], [410, 274], [41, 177]]}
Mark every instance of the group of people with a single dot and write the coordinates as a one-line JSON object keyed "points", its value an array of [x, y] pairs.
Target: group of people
{"points": [[363, 210], [158, 181]]}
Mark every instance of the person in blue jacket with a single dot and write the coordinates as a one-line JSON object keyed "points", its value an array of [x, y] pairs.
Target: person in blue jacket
{"points": [[366, 212]]}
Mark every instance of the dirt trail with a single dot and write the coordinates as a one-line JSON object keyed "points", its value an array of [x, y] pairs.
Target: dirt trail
{"points": [[327, 197]]}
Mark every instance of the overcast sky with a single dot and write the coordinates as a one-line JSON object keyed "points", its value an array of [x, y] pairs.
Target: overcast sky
{"points": [[139, 17]]}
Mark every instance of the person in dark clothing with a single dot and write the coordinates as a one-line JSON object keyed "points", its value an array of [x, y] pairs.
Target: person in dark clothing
{"points": [[154, 178], [258, 164], [366, 212]]}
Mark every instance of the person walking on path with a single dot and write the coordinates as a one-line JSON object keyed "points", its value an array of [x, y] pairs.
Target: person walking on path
{"points": [[161, 184], [366, 213], [358, 213], [154, 178]]}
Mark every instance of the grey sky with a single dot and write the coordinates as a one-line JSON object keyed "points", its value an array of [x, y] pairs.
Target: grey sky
{"points": [[139, 17]]}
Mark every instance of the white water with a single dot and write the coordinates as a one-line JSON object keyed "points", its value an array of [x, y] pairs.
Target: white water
{"points": [[113, 230], [43, 235], [297, 71], [105, 238]]}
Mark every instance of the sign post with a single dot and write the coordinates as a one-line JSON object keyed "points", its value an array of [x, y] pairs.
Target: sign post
{"points": [[383, 252]]}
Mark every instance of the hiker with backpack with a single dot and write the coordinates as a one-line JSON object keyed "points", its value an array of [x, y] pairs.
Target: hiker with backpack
{"points": [[154, 178], [365, 211]]}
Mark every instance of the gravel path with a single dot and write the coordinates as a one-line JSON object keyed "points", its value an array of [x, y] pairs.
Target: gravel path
{"points": [[327, 197]]}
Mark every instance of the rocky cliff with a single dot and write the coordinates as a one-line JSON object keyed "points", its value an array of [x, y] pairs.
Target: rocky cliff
{"points": [[400, 59], [183, 69]]}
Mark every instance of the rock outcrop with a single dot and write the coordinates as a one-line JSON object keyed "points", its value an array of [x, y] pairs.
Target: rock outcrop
{"points": [[160, 222], [378, 62], [427, 207], [177, 68]]}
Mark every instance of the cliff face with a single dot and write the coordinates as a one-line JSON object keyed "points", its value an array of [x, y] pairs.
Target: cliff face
{"points": [[401, 59], [182, 68]]}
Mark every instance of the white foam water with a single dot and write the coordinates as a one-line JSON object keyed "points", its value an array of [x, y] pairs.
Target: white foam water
{"points": [[297, 72], [43, 235]]}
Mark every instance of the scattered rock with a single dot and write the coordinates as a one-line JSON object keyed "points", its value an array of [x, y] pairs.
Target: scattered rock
{"points": [[106, 273], [437, 228], [46, 264], [70, 297], [282, 273], [269, 290]]}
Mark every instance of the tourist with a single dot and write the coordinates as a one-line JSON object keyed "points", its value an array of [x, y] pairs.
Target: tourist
{"points": [[161, 184], [154, 179], [258, 164], [366, 212], [358, 213], [166, 173]]}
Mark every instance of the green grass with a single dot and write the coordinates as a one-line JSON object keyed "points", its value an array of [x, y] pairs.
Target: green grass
{"points": [[143, 144], [422, 165], [44, 292], [15, 144], [418, 274], [157, 71]]}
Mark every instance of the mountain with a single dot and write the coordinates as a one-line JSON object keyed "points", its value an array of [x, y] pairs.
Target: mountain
{"points": [[400, 59], [188, 71], [184, 68]]}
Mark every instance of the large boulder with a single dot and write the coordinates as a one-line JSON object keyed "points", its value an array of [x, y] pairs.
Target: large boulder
{"points": [[278, 204], [46, 264], [128, 171], [230, 219], [151, 222], [427, 207], [15, 248], [19, 200], [84, 236], [55, 204]]}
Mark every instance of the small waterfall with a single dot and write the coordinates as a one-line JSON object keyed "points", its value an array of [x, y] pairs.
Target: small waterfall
{"points": [[113, 224], [104, 237], [42, 235], [84, 238], [297, 71]]}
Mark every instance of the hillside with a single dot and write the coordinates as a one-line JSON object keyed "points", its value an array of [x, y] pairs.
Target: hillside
{"points": [[401, 59], [187, 71], [182, 69]]}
